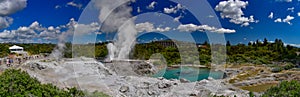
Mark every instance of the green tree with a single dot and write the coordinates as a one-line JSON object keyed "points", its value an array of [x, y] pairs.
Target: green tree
{"points": [[285, 89], [228, 43], [265, 42]]}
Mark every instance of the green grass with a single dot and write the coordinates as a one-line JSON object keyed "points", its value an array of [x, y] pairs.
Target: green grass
{"points": [[259, 88], [96, 94], [245, 75]]}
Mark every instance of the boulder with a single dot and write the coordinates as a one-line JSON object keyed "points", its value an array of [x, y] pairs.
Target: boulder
{"points": [[193, 94], [160, 78], [150, 93], [37, 65], [182, 80], [124, 89], [164, 85]]}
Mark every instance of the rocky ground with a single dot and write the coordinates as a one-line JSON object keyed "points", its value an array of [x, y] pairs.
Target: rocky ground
{"points": [[121, 79], [129, 78], [251, 76]]}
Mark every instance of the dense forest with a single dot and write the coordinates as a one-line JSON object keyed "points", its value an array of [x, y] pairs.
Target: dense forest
{"points": [[262, 52], [259, 52], [254, 52]]}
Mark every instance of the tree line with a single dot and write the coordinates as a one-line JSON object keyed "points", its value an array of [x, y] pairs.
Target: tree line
{"points": [[258, 52], [31, 48]]}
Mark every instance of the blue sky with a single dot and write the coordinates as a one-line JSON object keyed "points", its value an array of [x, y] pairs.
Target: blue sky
{"points": [[57, 13], [45, 13]]}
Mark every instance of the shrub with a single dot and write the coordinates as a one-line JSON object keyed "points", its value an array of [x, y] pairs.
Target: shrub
{"points": [[17, 83], [276, 69], [285, 89]]}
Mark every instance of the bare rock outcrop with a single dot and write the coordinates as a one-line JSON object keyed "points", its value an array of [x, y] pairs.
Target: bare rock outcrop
{"points": [[125, 80]]}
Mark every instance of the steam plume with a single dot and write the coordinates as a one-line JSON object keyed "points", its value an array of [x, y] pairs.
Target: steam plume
{"points": [[120, 20]]}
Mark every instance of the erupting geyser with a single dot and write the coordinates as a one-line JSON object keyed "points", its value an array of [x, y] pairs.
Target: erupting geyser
{"points": [[116, 17], [111, 51], [57, 53]]}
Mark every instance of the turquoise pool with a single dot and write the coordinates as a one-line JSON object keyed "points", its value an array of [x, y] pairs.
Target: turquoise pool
{"points": [[189, 73]]}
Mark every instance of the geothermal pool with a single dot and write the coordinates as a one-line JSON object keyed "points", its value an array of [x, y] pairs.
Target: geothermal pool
{"points": [[189, 73]]}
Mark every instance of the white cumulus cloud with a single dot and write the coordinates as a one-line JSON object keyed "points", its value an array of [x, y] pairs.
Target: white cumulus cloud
{"points": [[78, 5], [139, 9], [283, 0], [149, 27], [50, 33], [292, 44], [152, 5], [271, 15], [5, 22], [291, 9], [57, 7], [287, 19], [232, 9], [176, 19], [8, 7], [278, 20], [202, 28], [173, 9]]}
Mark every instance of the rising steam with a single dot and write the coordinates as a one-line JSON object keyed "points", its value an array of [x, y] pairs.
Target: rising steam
{"points": [[115, 16], [117, 20], [57, 53]]}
